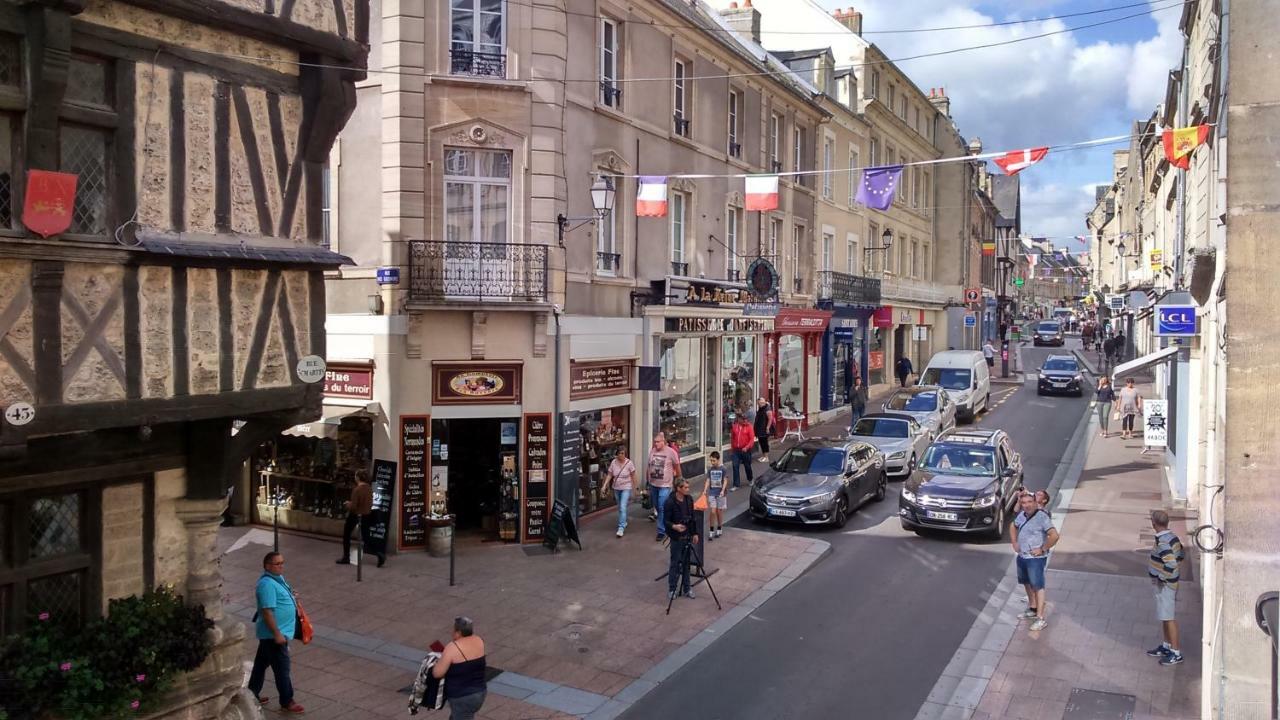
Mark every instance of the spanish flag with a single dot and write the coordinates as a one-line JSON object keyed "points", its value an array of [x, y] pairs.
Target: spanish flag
{"points": [[1178, 144], [989, 248]]}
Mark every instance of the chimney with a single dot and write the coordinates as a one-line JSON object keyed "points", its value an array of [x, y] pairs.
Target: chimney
{"points": [[851, 19], [940, 100], [1119, 163], [744, 20]]}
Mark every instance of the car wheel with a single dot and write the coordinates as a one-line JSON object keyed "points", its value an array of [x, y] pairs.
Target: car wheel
{"points": [[842, 513], [757, 519], [997, 532], [882, 487]]}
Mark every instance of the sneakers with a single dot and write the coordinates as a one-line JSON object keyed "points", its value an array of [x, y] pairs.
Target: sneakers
{"points": [[293, 709], [619, 532], [1028, 614], [1172, 658], [711, 536], [671, 595], [689, 594], [718, 532], [1039, 624], [1158, 652], [659, 537]]}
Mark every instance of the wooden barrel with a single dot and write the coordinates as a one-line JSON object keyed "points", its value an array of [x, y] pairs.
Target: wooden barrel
{"points": [[439, 538]]}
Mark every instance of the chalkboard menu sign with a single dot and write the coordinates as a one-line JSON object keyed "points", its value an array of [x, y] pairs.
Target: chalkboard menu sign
{"points": [[570, 458], [384, 484], [415, 466], [537, 463], [561, 525]]}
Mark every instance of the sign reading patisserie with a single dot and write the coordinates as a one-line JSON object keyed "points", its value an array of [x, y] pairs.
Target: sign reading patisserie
{"points": [[596, 379], [475, 383]]}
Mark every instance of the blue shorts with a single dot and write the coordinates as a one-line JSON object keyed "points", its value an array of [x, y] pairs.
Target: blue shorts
{"points": [[1031, 571]]}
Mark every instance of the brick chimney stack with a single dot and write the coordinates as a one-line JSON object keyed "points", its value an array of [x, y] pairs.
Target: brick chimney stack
{"points": [[938, 96], [850, 18], [744, 20]]}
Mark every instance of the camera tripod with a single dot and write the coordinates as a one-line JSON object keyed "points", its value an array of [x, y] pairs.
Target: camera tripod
{"points": [[690, 558]]}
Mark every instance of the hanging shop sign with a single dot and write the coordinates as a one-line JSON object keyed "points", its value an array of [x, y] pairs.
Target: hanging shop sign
{"points": [[598, 379], [796, 320], [712, 293], [703, 325], [882, 317], [1157, 260], [475, 383], [537, 463], [1176, 320], [761, 309], [415, 465], [762, 280], [354, 380], [1155, 423], [50, 201]]}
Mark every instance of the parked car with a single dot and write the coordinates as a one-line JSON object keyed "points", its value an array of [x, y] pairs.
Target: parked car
{"points": [[1048, 332], [1060, 374], [965, 376], [968, 481], [819, 481], [930, 405], [901, 438]]}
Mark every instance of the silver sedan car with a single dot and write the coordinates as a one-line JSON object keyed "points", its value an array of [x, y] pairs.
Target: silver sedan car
{"points": [[928, 404], [901, 438]]}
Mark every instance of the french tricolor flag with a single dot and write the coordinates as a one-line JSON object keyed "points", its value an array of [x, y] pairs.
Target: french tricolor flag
{"points": [[762, 192], [651, 198]]}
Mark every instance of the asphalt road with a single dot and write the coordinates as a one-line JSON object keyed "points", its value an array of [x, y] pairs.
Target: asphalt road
{"points": [[868, 630]]}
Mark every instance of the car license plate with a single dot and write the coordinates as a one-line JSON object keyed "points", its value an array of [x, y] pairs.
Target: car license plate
{"points": [[936, 515], [781, 512], [1057, 383]]}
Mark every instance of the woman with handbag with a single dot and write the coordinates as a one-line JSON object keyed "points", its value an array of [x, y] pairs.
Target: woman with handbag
{"points": [[1104, 403], [1129, 401], [621, 477]]}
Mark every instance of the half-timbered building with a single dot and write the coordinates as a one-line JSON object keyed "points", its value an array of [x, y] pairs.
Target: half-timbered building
{"points": [[149, 345]]}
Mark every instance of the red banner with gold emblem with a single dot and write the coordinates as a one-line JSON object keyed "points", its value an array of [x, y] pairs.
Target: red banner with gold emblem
{"points": [[50, 198]]}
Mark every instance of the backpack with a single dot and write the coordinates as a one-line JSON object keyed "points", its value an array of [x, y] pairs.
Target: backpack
{"points": [[428, 690]]}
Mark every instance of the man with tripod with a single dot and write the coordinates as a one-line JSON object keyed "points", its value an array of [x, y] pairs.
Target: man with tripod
{"points": [[682, 529]]}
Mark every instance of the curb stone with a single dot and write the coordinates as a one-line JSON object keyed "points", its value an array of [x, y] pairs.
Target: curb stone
{"points": [[960, 687]]}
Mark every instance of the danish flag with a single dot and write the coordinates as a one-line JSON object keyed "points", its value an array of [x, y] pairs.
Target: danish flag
{"points": [[1014, 162]]}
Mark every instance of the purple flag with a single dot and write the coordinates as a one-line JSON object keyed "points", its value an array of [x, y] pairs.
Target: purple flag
{"points": [[878, 185]]}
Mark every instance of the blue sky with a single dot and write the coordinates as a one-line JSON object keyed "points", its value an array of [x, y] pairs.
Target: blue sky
{"points": [[1079, 85]]}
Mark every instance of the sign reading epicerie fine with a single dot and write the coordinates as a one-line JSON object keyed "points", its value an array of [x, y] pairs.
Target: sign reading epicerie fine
{"points": [[596, 379], [349, 380]]}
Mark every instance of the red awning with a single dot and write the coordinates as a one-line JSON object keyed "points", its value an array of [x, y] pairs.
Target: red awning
{"points": [[804, 321]]}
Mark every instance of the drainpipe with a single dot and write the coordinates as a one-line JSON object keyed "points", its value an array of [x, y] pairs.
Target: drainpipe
{"points": [[1179, 238], [556, 311]]}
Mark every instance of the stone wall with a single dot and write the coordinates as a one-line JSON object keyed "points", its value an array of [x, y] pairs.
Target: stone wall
{"points": [[122, 542], [171, 535]]}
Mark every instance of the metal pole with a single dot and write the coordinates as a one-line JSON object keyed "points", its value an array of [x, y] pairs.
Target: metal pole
{"points": [[360, 560], [275, 519], [451, 538]]}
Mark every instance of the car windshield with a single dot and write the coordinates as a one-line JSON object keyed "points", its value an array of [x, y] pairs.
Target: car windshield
{"points": [[816, 461], [949, 378], [956, 460], [881, 427], [1051, 327], [1066, 364], [917, 402]]}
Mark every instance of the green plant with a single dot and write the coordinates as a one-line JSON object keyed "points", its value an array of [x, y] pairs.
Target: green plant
{"points": [[106, 668]]}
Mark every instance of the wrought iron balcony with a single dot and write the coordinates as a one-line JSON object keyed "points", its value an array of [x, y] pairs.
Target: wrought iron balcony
{"points": [[733, 275], [444, 272], [468, 62], [846, 288], [681, 125], [607, 262], [680, 268], [610, 94]]}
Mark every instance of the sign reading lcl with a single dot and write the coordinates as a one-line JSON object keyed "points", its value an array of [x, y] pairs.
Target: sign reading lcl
{"points": [[1176, 320]]}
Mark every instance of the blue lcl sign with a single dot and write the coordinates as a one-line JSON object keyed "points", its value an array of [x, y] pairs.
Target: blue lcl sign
{"points": [[1176, 320]]}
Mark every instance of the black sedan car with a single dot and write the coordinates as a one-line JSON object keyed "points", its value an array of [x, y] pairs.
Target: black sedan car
{"points": [[1061, 374], [968, 482], [819, 482]]}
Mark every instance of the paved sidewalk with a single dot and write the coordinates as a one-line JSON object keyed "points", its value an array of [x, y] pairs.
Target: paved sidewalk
{"points": [[1091, 658]]}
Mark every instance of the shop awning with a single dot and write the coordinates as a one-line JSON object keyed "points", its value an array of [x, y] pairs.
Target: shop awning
{"points": [[327, 425], [1145, 361]]}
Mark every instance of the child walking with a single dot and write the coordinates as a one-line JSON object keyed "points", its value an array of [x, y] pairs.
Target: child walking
{"points": [[717, 500]]}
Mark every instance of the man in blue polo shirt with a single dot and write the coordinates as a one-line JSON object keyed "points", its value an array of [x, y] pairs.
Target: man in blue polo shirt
{"points": [[276, 621], [1033, 535]]}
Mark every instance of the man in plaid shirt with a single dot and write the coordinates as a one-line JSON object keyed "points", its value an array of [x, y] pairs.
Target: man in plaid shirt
{"points": [[1165, 568]]}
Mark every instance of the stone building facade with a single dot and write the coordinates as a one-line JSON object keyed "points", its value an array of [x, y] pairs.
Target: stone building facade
{"points": [[181, 299]]}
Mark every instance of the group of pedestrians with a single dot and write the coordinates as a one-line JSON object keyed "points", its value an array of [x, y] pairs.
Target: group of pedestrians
{"points": [[1124, 405]]}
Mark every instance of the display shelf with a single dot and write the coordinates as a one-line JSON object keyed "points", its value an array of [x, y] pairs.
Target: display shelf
{"points": [[294, 519], [303, 478]]}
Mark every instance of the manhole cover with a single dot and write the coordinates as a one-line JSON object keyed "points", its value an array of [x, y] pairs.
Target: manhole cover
{"points": [[1095, 705], [576, 639]]}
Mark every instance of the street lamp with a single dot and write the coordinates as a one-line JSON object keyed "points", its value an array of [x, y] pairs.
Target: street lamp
{"points": [[602, 197], [886, 242]]}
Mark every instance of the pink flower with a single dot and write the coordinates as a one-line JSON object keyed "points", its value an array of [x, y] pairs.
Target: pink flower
{"points": [[43, 616], [140, 678], [133, 705], [64, 667]]}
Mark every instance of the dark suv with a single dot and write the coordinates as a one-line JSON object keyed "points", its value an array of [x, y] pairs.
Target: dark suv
{"points": [[1060, 374], [968, 481], [1048, 332]]}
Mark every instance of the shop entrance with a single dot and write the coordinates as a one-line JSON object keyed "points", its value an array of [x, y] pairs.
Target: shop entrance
{"points": [[478, 459]]}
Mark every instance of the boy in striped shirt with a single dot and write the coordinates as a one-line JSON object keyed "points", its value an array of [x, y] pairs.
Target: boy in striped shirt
{"points": [[1165, 569]]}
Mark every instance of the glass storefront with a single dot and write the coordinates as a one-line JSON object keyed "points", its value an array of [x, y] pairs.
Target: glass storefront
{"points": [[680, 402], [737, 380], [877, 359], [604, 432], [791, 373]]}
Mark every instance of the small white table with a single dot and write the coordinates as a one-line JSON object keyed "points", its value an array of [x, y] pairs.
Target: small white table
{"points": [[792, 426]]}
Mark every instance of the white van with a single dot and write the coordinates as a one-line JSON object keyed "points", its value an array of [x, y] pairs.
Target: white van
{"points": [[966, 378]]}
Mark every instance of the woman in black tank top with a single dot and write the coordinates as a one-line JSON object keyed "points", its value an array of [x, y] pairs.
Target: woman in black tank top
{"points": [[462, 665]]}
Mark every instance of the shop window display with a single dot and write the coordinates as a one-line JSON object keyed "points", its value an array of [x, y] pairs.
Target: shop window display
{"points": [[309, 478], [737, 380], [791, 373], [680, 403], [604, 432]]}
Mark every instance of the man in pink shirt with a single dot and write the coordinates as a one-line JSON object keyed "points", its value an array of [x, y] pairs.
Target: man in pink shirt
{"points": [[661, 471]]}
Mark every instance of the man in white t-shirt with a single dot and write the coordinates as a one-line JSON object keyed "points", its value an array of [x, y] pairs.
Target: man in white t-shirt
{"points": [[989, 352]]}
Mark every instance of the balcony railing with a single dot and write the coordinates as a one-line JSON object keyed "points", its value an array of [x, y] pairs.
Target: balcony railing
{"points": [[776, 165], [468, 62], [441, 271], [680, 268], [733, 275], [610, 94], [846, 288], [607, 262], [893, 288], [681, 125], [735, 149]]}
